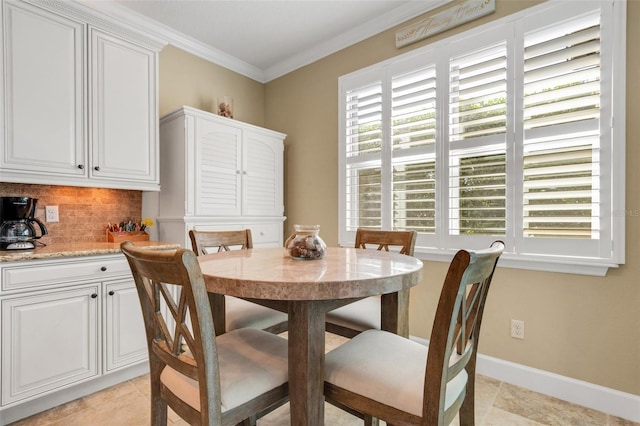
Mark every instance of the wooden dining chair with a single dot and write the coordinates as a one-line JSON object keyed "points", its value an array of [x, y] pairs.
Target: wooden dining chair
{"points": [[206, 380], [380, 375], [354, 318], [239, 313]]}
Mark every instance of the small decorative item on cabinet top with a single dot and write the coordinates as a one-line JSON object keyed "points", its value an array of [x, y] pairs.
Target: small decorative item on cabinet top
{"points": [[305, 243], [225, 106]]}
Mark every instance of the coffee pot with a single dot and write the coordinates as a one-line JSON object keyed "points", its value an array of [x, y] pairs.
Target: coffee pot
{"points": [[17, 216]]}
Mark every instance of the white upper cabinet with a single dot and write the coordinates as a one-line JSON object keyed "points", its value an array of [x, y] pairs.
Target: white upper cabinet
{"points": [[219, 167], [239, 170], [44, 130], [123, 109], [79, 101]]}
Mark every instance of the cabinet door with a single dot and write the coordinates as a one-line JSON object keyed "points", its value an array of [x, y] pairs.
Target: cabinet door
{"points": [[125, 339], [123, 110], [43, 130], [49, 340], [218, 169], [262, 175]]}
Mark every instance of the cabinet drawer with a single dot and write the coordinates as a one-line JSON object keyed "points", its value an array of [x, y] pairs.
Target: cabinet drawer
{"points": [[29, 275], [265, 233], [262, 234]]}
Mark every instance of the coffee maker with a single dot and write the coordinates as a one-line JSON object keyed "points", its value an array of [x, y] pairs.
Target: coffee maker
{"points": [[17, 216]]}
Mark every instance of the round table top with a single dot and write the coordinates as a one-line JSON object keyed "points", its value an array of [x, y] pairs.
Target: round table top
{"points": [[269, 273]]}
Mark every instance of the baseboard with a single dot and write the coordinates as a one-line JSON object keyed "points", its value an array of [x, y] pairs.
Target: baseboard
{"points": [[600, 398], [588, 395]]}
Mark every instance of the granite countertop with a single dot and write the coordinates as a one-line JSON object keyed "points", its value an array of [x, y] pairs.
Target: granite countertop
{"points": [[76, 249]]}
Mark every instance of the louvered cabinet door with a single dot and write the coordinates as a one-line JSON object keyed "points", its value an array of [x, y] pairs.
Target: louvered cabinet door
{"points": [[262, 175], [218, 169]]}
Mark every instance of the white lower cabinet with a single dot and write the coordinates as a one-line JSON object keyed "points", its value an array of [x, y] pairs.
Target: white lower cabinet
{"points": [[125, 342], [78, 331], [49, 340]]}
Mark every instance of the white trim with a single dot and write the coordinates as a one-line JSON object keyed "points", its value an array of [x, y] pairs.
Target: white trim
{"points": [[596, 397], [532, 262], [176, 38], [606, 400], [368, 29]]}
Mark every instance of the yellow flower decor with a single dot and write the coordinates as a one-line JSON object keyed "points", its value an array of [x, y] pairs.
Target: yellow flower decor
{"points": [[147, 222]]}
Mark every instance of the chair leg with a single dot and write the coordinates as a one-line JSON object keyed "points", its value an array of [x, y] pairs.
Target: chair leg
{"points": [[467, 410], [158, 410], [371, 421], [158, 404], [251, 421]]}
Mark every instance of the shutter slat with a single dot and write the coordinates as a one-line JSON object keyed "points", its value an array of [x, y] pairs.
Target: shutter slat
{"points": [[558, 43], [413, 111], [561, 56]]}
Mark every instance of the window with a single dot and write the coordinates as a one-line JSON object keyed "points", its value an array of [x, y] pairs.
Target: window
{"points": [[504, 132]]}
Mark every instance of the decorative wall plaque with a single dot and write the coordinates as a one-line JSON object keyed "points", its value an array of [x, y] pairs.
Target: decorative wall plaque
{"points": [[452, 17]]}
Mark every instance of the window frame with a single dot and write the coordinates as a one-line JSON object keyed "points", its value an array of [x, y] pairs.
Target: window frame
{"points": [[441, 246]]}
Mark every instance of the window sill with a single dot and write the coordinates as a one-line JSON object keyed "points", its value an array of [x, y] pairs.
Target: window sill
{"points": [[566, 265]]}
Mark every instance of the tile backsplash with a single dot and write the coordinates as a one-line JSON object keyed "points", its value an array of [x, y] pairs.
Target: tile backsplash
{"points": [[84, 212]]}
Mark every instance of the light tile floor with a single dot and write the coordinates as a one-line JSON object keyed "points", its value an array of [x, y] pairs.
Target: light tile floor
{"points": [[497, 404]]}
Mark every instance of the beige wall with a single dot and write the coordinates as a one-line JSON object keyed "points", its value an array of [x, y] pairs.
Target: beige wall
{"points": [[587, 328], [189, 80]]}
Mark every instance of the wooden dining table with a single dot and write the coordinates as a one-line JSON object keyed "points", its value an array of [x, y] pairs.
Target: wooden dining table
{"points": [[306, 290]]}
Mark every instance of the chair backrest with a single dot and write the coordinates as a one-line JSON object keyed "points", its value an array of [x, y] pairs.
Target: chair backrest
{"points": [[405, 241], [456, 329], [152, 271], [204, 242]]}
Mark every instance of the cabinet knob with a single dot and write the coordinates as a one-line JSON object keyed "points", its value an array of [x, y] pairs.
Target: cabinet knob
{"points": [[104, 268], [94, 295], [237, 172], [111, 293], [80, 166], [96, 168]]}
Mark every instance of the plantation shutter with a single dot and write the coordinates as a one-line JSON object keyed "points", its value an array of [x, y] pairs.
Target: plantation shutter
{"points": [[413, 133], [477, 127], [505, 131], [363, 131], [562, 130]]}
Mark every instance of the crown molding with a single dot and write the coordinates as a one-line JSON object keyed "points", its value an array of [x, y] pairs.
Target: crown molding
{"points": [[176, 38], [370, 28], [78, 10]]}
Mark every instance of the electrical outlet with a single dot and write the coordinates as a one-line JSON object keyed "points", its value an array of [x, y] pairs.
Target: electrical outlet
{"points": [[51, 214], [517, 329]]}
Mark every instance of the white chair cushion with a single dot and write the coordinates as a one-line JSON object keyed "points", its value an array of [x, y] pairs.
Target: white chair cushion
{"points": [[361, 315], [251, 362], [386, 368], [242, 314]]}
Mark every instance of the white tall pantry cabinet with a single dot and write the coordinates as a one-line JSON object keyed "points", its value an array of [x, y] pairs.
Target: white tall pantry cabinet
{"points": [[218, 174]]}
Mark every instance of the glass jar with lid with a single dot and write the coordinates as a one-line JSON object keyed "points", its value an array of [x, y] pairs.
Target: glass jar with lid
{"points": [[305, 243]]}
